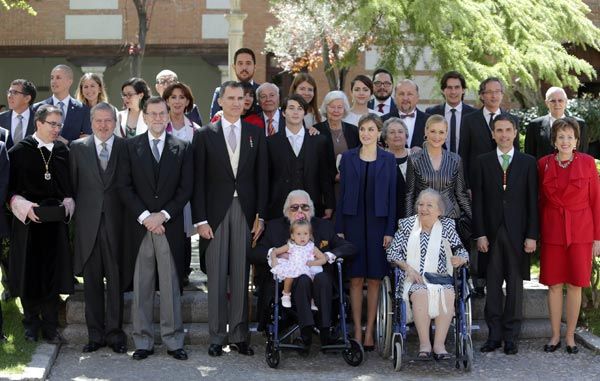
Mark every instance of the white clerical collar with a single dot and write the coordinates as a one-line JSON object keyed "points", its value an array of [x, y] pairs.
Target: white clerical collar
{"points": [[41, 144]]}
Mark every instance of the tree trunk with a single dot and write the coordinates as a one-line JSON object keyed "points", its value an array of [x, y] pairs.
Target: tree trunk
{"points": [[328, 67], [138, 51]]}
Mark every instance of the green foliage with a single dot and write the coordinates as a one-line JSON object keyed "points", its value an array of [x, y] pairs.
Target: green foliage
{"points": [[16, 353], [521, 41], [17, 4], [588, 109]]}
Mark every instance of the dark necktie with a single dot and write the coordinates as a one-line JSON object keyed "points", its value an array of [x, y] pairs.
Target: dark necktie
{"points": [[380, 107], [18, 135], [491, 120], [411, 115], [453, 131]]}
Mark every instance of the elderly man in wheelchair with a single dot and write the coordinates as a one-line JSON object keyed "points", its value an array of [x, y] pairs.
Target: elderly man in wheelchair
{"points": [[426, 248], [298, 205]]}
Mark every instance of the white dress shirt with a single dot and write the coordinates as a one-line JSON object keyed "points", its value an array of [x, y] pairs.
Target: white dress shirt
{"points": [[410, 124], [296, 140], [49, 146], [510, 153], [109, 145], [486, 115], [15, 120], [387, 105], [65, 101], [161, 145], [448, 116]]}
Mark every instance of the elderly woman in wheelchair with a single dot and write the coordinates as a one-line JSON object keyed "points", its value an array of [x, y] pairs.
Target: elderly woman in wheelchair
{"points": [[426, 248]]}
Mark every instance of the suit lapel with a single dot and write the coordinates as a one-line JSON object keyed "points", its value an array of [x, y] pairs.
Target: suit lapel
{"points": [[142, 149], [513, 171], [221, 146], [246, 140], [92, 157], [167, 161], [112, 161]]}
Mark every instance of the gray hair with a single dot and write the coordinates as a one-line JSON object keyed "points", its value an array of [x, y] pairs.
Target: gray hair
{"points": [[65, 68], [388, 123], [406, 82], [265, 86], [438, 197], [332, 96], [298, 193], [103, 106], [166, 73], [554, 90]]}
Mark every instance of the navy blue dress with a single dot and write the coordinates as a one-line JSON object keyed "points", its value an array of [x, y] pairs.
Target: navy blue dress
{"points": [[366, 226]]}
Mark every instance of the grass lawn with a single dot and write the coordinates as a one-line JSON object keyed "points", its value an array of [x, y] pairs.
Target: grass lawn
{"points": [[16, 353]]}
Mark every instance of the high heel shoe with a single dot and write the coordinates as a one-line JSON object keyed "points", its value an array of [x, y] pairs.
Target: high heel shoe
{"points": [[551, 347], [572, 349]]}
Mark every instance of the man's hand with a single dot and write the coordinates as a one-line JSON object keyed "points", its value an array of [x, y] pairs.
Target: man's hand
{"points": [[416, 149], [483, 244], [313, 131], [387, 239], [529, 245], [257, 230], [159, 230], [327, 213], [153, 221], [205, 231]]}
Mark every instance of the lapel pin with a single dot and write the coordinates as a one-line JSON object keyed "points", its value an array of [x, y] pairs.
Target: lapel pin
{"points": [[251, 142]]}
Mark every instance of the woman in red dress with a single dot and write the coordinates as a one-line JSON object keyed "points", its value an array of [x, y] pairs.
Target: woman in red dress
{"points": [[570, 226]]}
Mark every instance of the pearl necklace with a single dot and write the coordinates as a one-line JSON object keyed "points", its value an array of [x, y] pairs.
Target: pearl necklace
{"points": [[565, 165]]}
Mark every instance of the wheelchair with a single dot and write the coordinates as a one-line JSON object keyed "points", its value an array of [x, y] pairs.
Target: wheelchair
{"points": [[392, 329], [279, 339]]}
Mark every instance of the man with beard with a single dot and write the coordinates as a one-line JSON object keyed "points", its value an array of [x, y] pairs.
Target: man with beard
{"points": [[382, 91]]}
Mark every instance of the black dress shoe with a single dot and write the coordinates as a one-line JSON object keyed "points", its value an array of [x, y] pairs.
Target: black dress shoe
{"points": [[551, 347], [31, 335], [242, 348], [490, 346], [178, 354], [92, 346], [572, 349], [478, 292], [510, 348], [215, 350], [141, 354], [119, 348]]}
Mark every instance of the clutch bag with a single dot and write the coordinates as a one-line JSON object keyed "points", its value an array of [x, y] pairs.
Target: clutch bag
{"points": [[50, 210], [442, 279]]}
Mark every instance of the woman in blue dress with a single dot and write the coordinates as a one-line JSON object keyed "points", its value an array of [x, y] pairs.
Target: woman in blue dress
{"points": [[366, 217]]}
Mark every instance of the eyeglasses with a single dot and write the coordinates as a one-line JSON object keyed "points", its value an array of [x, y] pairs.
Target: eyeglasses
{"points": [[384, 84], [295, 207], [557, 101], [54, 124], [14, 92], [157, 115], [127, 95], [493, 92]]}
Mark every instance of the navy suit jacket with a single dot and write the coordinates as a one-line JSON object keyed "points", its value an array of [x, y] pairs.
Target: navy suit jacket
{"points": [[194, 115], [441, 109], [418, 134], [77, 121], [393, 108], [385, 188], [6, 122]]}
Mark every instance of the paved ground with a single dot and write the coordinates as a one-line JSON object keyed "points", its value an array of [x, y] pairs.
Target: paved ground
{"points": [[530, 364]]}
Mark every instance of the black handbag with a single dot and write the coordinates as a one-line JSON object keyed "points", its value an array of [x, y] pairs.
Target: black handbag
{"points": [[441, 279], [50, 210]]}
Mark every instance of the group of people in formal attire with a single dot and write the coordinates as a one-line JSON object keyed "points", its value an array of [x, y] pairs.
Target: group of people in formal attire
{"points": [[288, 186]]}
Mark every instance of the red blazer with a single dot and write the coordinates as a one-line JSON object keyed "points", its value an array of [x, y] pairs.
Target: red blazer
{"points": [[571, 215]]}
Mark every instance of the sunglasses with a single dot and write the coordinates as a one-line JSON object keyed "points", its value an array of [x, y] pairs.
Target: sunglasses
{"points": [[304, 207]]}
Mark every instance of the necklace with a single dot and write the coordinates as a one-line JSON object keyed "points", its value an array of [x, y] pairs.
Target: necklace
{"points": [[566, 164], [47, 175], [337, 134]]}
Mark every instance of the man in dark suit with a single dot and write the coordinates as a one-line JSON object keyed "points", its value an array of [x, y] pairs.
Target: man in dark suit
{"points": [[244, 64], [298, 160], [17, 122], [98, 225], [298, 205], [407, 97], [268, 100], [156, 181], [505, 222], [383, 102], [453, 86], [537, 137], [76, 116], [228, 204], [476, 133], [4, 229], [166, 78]]}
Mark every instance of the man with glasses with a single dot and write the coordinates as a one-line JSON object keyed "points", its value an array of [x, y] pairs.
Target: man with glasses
{"points": [[75, 115], [537, 138], [40, 198], [299, 206], [17, 122], [383, 84], [156, 183], [268, 100], [228, 205], [166, 78]]}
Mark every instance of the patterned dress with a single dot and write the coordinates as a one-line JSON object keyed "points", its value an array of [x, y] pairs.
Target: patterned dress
{"points": [[397, 250], [295, 265]]}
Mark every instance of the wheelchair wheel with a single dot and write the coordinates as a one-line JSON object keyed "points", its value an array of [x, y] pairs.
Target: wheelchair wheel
{"points": [[355, 354], [467, 355], [272, 356], [383, 324], [397, 350]]}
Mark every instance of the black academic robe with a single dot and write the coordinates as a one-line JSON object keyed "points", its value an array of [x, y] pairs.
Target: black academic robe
{"points": [[40, 263]]}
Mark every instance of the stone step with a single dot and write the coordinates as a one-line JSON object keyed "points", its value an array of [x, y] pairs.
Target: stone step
{"points": [[535, 305]]}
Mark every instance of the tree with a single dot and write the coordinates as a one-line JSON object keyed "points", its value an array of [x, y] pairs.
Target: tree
{"points": [[17, 4], [144, 10], [306, 37], [521, 41]]}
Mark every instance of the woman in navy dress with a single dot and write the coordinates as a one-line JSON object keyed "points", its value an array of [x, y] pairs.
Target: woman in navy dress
{"points": [[366, 217]]}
